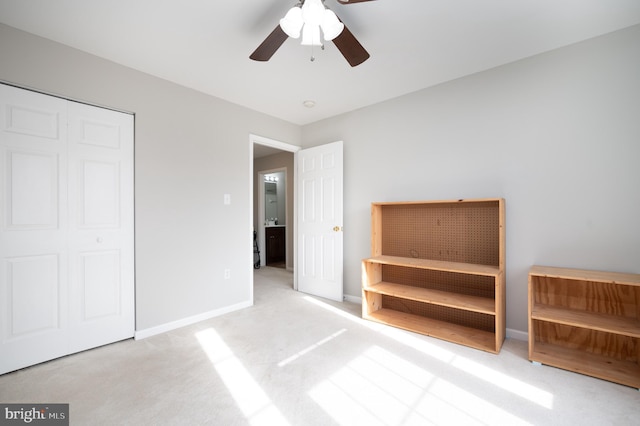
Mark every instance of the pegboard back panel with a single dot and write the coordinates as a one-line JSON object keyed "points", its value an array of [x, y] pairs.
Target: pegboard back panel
{"points": [[458, 231], [472, 285], [473, 320]]}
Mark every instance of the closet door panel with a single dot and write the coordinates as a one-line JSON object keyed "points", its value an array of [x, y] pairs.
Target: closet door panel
{"points": [[34, 272], [66, 227]]}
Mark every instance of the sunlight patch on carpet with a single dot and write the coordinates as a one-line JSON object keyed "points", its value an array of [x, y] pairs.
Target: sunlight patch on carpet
{"points": [[251, 399], [492, 376], [381, 388], [311, 348]]}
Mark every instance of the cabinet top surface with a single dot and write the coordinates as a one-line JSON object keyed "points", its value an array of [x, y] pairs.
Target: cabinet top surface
{"points": [[586, 275], [462, 200]]}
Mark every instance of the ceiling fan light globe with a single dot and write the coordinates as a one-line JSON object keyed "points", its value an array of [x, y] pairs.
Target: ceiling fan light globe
{"points": [[292, 22], [331, 25], [312, 12], [311, 35]]}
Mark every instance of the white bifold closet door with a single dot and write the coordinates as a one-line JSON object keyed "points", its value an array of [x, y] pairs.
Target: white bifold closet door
{"points": [[66, 227]]}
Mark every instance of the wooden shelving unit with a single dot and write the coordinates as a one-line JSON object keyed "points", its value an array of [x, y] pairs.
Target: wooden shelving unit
{"points": [[437, 268], [586, 321]]}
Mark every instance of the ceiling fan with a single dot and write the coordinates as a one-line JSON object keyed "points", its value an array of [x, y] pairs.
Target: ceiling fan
{"points": [[307, 18]]}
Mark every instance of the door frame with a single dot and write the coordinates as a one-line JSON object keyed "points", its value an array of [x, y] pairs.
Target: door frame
{"points": [[282, 146]]}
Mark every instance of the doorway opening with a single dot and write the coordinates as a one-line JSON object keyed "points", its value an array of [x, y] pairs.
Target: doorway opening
{"points": [[271, 158]]}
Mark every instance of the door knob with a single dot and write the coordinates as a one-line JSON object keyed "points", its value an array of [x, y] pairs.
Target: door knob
{"points": [[337, 228]]}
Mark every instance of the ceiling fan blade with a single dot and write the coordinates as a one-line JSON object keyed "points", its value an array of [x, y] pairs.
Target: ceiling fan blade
{"points": [[265, 51], [351, 48], [351, 1]]}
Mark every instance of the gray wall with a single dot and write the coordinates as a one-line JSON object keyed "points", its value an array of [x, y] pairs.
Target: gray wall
{"points": [[190, 149], [557, 135]]}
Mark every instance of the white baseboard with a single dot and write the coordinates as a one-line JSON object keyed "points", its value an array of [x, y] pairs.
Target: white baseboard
{"points": [[152, 331], [353, 299], [517, 334]]}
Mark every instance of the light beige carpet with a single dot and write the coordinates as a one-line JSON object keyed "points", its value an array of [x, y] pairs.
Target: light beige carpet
{"points": [[293, 359]]}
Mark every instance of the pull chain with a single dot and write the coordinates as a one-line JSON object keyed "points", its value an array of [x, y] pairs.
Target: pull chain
{"points": [[313, 58]]}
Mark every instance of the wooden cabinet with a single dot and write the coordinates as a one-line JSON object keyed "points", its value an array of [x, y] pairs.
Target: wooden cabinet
{"points": [[586, 321], [275, 244], [437, 268]]}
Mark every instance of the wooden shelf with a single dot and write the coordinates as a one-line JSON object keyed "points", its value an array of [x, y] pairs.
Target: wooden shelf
{"points": [[586, 275], [437, 265], [586, 321], [437, 268], [606, 368], [440, 329], [594, 321], [435, 297]]}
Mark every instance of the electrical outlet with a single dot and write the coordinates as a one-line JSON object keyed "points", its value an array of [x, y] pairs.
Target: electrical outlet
{"points": [[227, 274]]}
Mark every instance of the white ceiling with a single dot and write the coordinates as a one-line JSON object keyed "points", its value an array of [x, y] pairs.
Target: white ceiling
{"points": [[205, 44]]}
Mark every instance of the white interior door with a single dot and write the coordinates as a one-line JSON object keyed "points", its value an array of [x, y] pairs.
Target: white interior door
{"points": [[66, 227], [101, 234], [34, 269], [319, 213]]}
